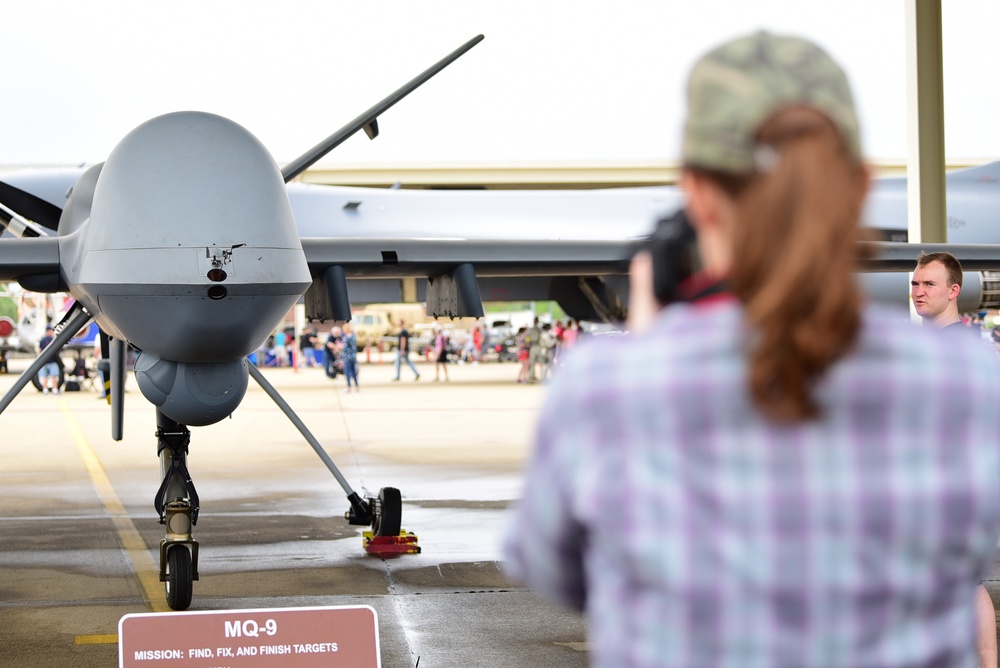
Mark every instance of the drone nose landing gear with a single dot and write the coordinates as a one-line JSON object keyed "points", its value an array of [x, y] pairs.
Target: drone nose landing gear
{"points": [[176, 503]]}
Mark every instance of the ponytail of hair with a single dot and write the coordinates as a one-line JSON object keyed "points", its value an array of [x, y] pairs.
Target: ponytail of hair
{"points": [[794, 253]]}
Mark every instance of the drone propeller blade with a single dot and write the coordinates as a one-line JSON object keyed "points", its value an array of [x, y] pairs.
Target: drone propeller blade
{"points": [[367, 120], [30, 207]]}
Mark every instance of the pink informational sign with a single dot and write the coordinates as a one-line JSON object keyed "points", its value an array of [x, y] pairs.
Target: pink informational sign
{"points": [[288, 637]]}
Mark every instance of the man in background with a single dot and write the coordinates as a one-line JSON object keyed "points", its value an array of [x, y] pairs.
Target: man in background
{"points": [[935, 287], [403, 351], [48, 375], [534, 340], [307, 346]]}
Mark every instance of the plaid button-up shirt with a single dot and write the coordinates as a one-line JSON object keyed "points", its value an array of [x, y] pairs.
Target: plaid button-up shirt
{"points": [[693, 532]]}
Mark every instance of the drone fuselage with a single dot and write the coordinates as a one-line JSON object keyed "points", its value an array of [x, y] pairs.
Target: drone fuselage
{"points": [[183, 244]]}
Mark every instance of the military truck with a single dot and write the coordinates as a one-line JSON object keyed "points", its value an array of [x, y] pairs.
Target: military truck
{"points": [[376, 324], [379, 323]]}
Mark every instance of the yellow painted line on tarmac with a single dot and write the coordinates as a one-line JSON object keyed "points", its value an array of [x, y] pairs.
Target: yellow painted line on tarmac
{"points": [[146, 569], [109, 639], [578, 646]]}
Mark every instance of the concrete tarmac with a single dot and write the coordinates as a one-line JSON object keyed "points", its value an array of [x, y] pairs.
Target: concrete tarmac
{"points": [[80, 537]]}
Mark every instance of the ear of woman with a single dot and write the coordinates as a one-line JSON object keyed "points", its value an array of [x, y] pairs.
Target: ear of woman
{"points": [[710, 211]]}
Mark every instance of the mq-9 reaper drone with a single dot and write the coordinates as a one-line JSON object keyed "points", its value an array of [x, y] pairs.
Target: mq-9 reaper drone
{"points": [[182, 244]]}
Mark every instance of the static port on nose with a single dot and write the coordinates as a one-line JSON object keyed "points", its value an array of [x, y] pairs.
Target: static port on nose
{"points": [[217, 275], [217, 292]]}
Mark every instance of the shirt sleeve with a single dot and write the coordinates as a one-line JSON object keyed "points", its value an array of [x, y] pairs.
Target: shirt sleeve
{"points": [[544, 542]]}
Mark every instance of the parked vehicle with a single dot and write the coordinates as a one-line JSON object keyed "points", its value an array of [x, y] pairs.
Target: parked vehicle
{"points": [[501, 342]]}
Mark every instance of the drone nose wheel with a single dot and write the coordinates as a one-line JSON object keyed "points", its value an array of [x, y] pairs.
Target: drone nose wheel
{"points": [[178, 557], [179, 583], [177, 504]]}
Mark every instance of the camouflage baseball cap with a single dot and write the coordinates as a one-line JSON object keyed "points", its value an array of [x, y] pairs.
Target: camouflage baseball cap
{"points": [[736, 87]]}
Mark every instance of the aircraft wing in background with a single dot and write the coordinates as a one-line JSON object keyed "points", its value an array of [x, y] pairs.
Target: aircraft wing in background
{"points": [[454, 276]]}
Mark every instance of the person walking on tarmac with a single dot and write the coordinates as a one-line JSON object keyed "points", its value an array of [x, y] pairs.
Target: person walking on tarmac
{"points": [[769, 470], [440, 353], [280, 348], [349, 353], [307, 347], [331, 352], [403, 352], [533, 339]]}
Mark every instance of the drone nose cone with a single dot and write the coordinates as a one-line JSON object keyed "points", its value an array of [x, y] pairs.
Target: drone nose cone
{"points": [[192, 178], [191, 250]]}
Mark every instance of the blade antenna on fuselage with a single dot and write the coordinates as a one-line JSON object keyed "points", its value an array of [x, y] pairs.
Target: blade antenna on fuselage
{"points": [[368, 120]]}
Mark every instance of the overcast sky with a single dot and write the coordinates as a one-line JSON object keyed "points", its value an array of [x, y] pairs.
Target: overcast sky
{"points": [[565, 82]]}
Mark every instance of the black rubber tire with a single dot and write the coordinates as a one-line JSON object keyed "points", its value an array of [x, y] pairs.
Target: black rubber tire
{"points": [[179, 584], [388, 512]]}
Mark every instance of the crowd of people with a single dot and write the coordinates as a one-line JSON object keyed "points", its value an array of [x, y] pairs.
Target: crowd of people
{"points": [[542, 347], [537, 349]]}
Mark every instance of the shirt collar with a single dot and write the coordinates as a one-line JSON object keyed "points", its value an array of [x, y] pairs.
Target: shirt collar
{"points": [[702, 287]]}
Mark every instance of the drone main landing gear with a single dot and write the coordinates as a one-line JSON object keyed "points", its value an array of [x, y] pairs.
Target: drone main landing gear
{"points": [[176, 503], [383, 513]]}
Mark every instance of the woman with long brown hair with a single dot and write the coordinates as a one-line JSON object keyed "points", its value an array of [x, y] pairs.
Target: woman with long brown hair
{"points": [[768, 471]]}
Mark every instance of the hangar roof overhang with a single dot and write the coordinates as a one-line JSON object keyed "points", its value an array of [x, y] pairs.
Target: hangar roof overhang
{"points": [[525, 176]]}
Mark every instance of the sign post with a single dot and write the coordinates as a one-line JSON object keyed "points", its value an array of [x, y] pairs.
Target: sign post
{"points": [[294, 637]]}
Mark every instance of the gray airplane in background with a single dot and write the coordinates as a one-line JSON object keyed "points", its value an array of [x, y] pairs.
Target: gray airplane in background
{"points": [[189, 245], [562, 245]]}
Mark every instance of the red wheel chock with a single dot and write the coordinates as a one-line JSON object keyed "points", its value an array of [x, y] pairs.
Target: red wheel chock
{"points": [[404, 543]]}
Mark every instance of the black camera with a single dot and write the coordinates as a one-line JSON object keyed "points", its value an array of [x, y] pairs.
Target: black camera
{"points": [[674, 248]]}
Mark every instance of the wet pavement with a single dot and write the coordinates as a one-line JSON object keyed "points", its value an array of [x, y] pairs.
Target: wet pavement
{"points": [[80, 536]]}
